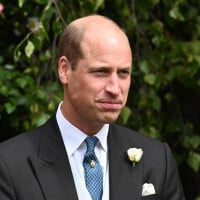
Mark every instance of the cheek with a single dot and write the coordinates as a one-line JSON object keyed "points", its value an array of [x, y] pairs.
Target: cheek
{"points": [[125, 86], [83, 92], [127, 89], [95, 87], [77, 84]]}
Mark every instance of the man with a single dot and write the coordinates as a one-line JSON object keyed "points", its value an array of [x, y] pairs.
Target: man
{"points": [[49, 162]]}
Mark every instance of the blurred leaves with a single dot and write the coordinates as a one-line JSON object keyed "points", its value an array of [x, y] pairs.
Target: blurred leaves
{"points": [[194, 161], [29, 49], [165, 92]]}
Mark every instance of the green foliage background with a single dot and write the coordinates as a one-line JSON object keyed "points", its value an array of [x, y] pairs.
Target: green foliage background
{"points": [[165, 92]]}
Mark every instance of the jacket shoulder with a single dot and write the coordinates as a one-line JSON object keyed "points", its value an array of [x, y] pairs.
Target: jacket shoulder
{"points": [[26, 142], [131, 136]]}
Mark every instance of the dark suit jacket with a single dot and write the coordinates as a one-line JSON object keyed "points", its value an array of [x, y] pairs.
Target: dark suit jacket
{"points": [[34, 166]]}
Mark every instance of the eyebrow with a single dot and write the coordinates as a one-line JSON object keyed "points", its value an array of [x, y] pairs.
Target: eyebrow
{"points": [[110, 68]]}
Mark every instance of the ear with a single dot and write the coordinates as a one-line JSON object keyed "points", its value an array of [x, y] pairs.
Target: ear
{"points": [[63, 69]]}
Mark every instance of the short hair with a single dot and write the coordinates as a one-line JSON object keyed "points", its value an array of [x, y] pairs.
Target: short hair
{"points": [[70, 44], [70, 40]]}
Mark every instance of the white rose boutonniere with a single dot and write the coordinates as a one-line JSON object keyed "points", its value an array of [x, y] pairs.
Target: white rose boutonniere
{"points": [[134, 155]]}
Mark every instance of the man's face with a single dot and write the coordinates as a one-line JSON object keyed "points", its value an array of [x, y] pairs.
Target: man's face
{"points": [[98, 88]]}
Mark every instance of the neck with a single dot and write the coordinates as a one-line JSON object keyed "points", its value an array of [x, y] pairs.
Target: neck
{"points": [[88, 128]]}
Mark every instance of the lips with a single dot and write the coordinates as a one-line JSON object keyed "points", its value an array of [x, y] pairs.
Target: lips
{"points": [[110, 105]]}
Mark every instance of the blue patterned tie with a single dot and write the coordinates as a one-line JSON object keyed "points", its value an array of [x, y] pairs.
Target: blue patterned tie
{"points": [[93, 170]]}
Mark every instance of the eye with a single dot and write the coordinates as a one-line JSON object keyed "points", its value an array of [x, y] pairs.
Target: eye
{"points": [[100, 72], [125, 73]]}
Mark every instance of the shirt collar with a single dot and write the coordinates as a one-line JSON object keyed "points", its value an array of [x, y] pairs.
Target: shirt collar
{"points": [[73, 137]]}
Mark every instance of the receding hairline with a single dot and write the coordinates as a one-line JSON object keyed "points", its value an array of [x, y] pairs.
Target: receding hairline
{"points": [[93, 20], [77, 29]]}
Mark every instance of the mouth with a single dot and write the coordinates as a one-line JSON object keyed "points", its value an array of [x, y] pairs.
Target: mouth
{"points": [[110, 105]]}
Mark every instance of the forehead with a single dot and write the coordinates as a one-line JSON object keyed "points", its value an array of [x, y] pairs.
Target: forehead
{"points": [[106, 45]]}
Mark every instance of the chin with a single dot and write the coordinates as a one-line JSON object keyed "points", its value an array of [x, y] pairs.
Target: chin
{"points": [[109, 119]]}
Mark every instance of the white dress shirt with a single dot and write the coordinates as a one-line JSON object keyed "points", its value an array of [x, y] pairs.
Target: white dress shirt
{"points": [[75, 146]]}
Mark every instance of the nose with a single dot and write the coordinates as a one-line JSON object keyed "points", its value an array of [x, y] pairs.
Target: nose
{"points": [[112, 86]]}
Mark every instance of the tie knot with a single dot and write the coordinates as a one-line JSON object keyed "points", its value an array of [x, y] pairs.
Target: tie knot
{"points": [[91, 143]]}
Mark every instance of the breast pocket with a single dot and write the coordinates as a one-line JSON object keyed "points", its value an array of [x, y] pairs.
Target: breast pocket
{"points": [[150, 197]]}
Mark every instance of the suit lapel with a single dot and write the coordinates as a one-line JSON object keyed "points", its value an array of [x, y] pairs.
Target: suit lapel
{"points": [[125, 180], [52, 169], [51, 166]]}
